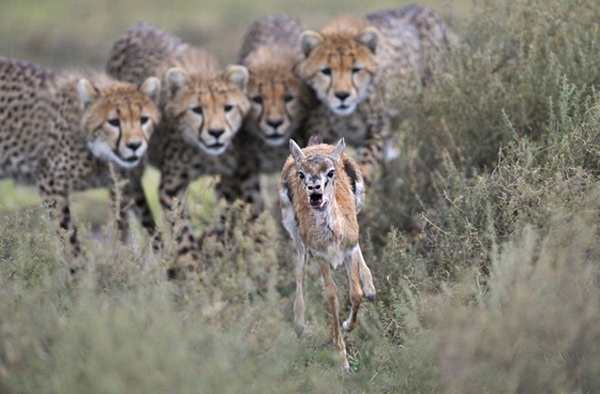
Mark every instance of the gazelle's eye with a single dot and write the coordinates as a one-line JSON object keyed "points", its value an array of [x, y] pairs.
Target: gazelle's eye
{"points": [[330, 174], [197, 109], [227, 107], [301, 174], [114, 122], [326, 71], [257, 99], [144, 120]]}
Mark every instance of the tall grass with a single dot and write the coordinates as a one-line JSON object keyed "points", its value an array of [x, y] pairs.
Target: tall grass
{"points": [[482, 237]]}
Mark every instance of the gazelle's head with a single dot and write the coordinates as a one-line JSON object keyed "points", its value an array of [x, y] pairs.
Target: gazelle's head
{"points": [[317, 173]]}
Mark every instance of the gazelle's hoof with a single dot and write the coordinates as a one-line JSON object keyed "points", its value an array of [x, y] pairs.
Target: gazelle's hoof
{"points": [[299, 328], [371, 297], [346, 325]]}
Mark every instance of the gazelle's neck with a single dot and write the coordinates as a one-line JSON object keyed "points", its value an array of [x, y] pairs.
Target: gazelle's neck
{"points": [[329, 217]]}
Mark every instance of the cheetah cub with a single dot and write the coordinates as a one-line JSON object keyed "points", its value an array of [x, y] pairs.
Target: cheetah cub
{"points": [[63, 131], [357, 65], [203, 108], [280, 102]]}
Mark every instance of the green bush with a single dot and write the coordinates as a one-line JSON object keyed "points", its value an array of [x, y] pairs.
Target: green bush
{"points": [[482, 237]]}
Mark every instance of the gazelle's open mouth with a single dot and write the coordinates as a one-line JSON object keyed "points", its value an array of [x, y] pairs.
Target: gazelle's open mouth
{"points": [[316, 200]]}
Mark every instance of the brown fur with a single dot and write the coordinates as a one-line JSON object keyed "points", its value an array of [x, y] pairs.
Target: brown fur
{"points": [[203, 109], [280, 102], [62, 132], [321, 193], [357, 66]]}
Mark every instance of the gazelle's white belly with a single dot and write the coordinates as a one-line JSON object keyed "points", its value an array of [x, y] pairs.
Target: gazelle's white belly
{"points": [[333, 254]]}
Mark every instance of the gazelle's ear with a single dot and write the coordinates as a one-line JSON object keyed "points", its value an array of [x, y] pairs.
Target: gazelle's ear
{"points": [[338, 150], [297, 153]]}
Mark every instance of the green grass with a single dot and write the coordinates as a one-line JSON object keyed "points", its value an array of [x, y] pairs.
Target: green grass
{"points": [[482, 236]]}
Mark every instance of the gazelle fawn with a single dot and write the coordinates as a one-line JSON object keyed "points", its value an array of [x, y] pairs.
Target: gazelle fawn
{"points": [[321, 191]]}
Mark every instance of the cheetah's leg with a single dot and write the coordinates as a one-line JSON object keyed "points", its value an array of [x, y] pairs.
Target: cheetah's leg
{"points": [[132, 196], [172, 193], [371, 153], [55, 196]]}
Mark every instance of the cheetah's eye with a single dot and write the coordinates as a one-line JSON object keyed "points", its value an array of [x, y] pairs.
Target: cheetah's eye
{"points": [[330, 174], [197, 110], [114, 122], [288, 97], [227, 107], [301, 174], [326, 71], [356, 70], [257, 99], [144, 120]]}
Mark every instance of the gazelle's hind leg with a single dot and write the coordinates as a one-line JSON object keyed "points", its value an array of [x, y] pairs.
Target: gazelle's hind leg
{"points": [[356, 294], [365, 275], [299, 307], [334, 308]]}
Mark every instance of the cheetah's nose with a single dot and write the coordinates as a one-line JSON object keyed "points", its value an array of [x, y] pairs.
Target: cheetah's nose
{"points": [[342, 94], [274, 123], [133, 145], [216, 132]]}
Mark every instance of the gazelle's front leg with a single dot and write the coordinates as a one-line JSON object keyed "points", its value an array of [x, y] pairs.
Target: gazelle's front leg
{"points": [[334, 308], [356, 294], [299, 306], [365, 275]]}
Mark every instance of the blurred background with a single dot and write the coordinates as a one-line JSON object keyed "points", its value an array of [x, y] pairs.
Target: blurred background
{"points": [[61, 33]]}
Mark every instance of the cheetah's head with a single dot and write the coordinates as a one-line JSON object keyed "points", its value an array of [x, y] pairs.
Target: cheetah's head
{"points": [[208, 110], [279, 99], [341, 65], [118, 119]]}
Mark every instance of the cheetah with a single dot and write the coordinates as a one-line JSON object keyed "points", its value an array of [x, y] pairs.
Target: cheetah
{"points": [[203, 108], [280, 102], [357, 65], [62, 131]]}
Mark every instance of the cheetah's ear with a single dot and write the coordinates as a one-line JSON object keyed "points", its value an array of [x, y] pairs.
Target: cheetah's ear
{"points": [[151, 88], [237, 75], [309, 41], [87, 92], [369, 37], [297, 153], [338, 150], [176, 79]]}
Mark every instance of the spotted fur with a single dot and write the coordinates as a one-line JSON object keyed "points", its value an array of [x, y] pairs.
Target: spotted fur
{"points": [[203, 108], [280, 102], [63, 131], [358, 65]]}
